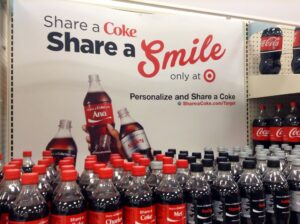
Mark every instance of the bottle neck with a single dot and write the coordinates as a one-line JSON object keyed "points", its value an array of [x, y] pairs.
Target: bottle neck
{"points": [[156, 172], [196, 174], [224, 173], [12, 182], [248, 170], [262, 113], [182, 170], [293, 110], [208, 169], [95, 86], [138, 179], [272, 169], [106, 182], [42, 178], [296, 167], [63, 132], [126, 119], [169, 176], [28, 189]]}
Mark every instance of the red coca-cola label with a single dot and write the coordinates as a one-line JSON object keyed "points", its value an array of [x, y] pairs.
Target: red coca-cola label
{"points": [[276, 134], [4, 218], [260, 133], [144, 215], [296, 38], [271, 43], [99, 114], [69, 219], [171, 214], [291, 134], [115, 217], [40, 221]]}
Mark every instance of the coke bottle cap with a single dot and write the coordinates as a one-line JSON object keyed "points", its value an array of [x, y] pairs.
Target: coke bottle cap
{"points": [[261, 156], [67, 167], [223, 154], [27, 153], [20, 160], [138, 171], [293, 104], [182, 163], [47, 153], [144, 162], [196, 168], [45, 162], [172, 151], [249, 164], [234, 158], [296, 162], [222, 159], [69, 175], [182, 156], [98, 166], [1, 156], [156, 152], [207, 162], [224, 166], [156, 165], [291, 158], [191, 159], [29, 178], [169, 169], [136, 157], [273, 162], [17, 163], [65, 162], [105, 173], [159, 157], [128, 166], [12, 174], [197, 155], [208, 152], [93, 157], [10, 166], [262, 106], [113, 157], [167, 160], [72, 159], [278, 106], [169, 154], [40, 169], [118, 163], [50, 160], [88, 165], [184, 152]]}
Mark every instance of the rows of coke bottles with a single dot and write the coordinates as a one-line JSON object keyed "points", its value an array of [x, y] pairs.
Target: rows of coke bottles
{"points": [[271, 51], [282, 129], [231, 186]]}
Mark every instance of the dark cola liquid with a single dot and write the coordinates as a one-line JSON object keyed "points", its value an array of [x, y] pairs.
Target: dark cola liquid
{"points": [[295, 199], [261, 123], [48, 195], [170, 198], [27, 169], [65, 208], [105, 204], [1, 175], [29, 213], [143, 200], [134, 139], [62, 147]]}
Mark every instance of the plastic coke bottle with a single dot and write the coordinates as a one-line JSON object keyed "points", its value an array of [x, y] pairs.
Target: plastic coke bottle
{"points": [[296, 52], [86, 176], [98, 113], [209, 174], [260, 129], [169, 198], [123, 184], [182, 172], [27, 162], [30, 206], [156, 175], [291, 129], [138, 199], [105, 201], [1, 167], [276, 130], [270, 51]]}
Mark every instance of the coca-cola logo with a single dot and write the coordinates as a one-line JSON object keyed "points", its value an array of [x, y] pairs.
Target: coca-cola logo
{"points": [[279, 133], [271, 42], [294, 133], [262, 132]]}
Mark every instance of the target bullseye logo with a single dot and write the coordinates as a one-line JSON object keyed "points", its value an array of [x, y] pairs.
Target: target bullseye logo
{"points": [[209, 75]]}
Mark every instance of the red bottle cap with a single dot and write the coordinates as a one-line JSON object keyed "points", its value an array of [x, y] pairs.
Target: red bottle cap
{"points": [[98, 166], [293, 104], [262, 107], [278, 106], [69, 175], [10, 166], [29, 178], [128, 166], [17, 163], [40, 169], [47, 153], [45, 162], [65, 162], [115, 155], [67, 167], [12, 174], [182, 163], [169, 169], [112, 158], [138, 171], [1, 156], [72, 159], [159, 157], [27, 153], [118, 163], [88, 165], [144, 162], [50, 160], [105, 173], [20, 160], [91, 157], [136, 157], [167, 160]]}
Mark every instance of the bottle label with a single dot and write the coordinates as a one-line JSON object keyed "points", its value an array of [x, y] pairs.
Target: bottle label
{"points": [[218, 210], [296, 39], [291, 134], [199, 214], [282, 204], [134, 141], [99, 114], [245, 207], [69, 219], [271, 43], [232, 212], [269, 203], [115, 217], [260, 133], [276, 134], [135, 215], [40, 221], [171, 214], [4, 218], [295, 201]]}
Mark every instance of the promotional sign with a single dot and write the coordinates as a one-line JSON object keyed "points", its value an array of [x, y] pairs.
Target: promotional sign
{"points": [[117, 81]]}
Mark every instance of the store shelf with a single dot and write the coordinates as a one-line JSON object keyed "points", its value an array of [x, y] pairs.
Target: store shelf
{"points": [[272, 85]]}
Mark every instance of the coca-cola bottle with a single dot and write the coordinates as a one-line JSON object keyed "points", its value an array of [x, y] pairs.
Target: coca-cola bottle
{"points": [[182, 172], [156, 175], [98, 113], [30, 206], [10, 189], [93, 183], [261, 163], [169, 198], [68, 205], [270, 51], [118, 170], [296, 52], [287, 169], [276, 130], [198, 156], [1, 167], [86, 175], [133, 136], [146, 163], [138, 199], [51, 172], [294, 186], [291, 129], [252, 195], [170, 154], [226, 196], [27, 162], [123, 184], [57, 185], [105, 201], [236, 169], [63, 144], [277, 194], [156, 152], [167, 160], [260, 129], [209, 174], [198, 197]]}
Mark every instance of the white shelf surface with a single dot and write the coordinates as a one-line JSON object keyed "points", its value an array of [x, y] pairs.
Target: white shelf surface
{"points": [[272, 85]]}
